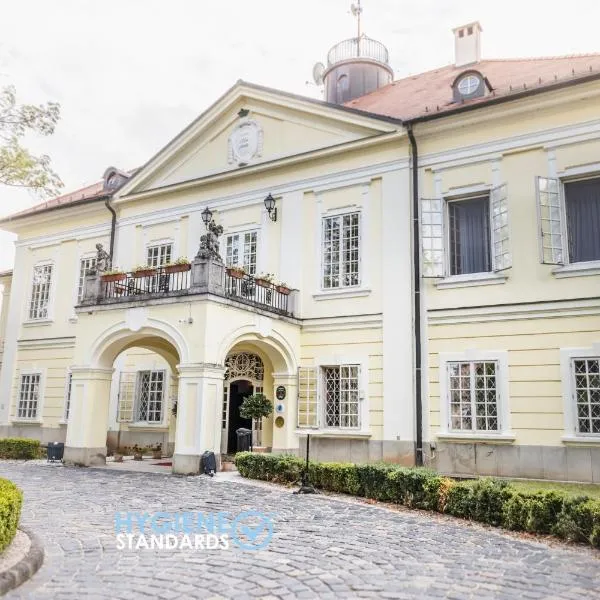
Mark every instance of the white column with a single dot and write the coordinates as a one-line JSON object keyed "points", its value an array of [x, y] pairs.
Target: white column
{"points": [[198, 415], [88, 416]]}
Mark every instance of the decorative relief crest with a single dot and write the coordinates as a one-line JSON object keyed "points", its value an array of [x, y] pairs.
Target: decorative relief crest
{"points": [[244, 365], [245, 141]]}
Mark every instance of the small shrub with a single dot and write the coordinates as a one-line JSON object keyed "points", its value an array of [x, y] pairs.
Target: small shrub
{"points": [[579, 521], [373, 481], [514, 513], [269, 467], [543, 510], [460, 500], [20, 448], [489, 496], [415, 488], [11, 500]]}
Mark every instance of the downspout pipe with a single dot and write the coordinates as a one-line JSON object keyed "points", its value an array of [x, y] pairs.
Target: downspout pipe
{"points": [[113, 227], [417, 293]]}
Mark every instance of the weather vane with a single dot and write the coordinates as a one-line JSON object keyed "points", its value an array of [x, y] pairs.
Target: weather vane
{"points": [[357, 11]]}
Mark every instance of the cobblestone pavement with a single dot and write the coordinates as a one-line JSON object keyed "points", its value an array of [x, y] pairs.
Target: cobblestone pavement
{"points": [[322, 547]]}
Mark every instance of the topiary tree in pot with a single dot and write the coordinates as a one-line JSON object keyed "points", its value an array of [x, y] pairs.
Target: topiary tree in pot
{"points": [[255, 407]]}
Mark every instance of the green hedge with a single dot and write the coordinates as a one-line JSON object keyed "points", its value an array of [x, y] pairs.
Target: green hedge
{"points": [[11, 500], [485, 500], [19, 448]]}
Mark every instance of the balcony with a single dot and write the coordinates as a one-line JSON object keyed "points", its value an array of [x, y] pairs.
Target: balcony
{"points": [[203, 276], [362, 47]]}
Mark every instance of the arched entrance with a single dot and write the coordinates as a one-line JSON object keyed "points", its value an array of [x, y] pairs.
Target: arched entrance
{"points": [[244, 376]]}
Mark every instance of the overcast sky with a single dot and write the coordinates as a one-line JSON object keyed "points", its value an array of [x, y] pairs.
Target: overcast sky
{"points": [[130, 74]]}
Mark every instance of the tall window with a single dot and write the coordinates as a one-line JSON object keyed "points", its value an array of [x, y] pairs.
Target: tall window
{"points": [[473, 396], [241, 250], [340, 384], [160, 255], [40, 292], [29, 394], [68, 395], [587, 394], [341, 251], [150, 396], [469, 230], [582, 203], [85, 266]]}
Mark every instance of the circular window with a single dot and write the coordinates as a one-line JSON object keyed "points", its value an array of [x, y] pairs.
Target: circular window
{"points": [[468, 85]]}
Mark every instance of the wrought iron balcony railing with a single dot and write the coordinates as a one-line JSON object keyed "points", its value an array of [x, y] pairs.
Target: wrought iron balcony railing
{"points": [[362, 47], [200, 278]]}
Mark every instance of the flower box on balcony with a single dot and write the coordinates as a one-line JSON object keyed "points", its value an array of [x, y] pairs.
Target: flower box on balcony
{"points": [[236, 272], [177, 268], [263, 282], [111, 277], [282, 289], [144, 273]]}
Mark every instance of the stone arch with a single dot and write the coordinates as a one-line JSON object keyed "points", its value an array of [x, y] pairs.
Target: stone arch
{"points": [[274, 347], [158, 336]]}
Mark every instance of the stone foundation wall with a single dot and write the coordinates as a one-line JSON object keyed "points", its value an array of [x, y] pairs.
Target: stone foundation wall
{"points": [[561, 463]]}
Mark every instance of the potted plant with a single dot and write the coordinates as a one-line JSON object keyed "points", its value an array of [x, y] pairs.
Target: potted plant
{"points": [[179, 266], [113, 275], [143, 271], [264, 279], [236, 271], [255, 407], [138, 453], [283, 288], [157, 451]]}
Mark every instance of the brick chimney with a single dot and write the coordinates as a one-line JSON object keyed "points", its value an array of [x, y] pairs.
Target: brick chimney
{"points": [[467, 44]]}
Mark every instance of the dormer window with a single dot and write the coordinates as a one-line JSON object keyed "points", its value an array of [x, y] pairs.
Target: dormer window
{"points": [[469, 85]]}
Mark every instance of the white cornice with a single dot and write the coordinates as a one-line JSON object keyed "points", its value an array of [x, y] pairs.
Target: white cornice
{"points": [[344, 323], [82, 233], [515, 312], [51, 343]]}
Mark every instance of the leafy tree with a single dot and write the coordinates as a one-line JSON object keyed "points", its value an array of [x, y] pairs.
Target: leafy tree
{"points": [[18, 167], [256, 407]]}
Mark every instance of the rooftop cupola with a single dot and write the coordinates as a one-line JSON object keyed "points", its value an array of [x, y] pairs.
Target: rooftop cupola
{"points": [[355, 67]]}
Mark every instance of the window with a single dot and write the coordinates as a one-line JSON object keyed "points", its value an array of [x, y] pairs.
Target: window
{"points": [[85, 266], [460, 236], [469, 224], [150, 392], [468, 85], [68, 395], [329, 397], [586, 373], [40, 292], [29, 395], [159, 255], [341, 251], [241, 251], [569, 220], [473, 396]]}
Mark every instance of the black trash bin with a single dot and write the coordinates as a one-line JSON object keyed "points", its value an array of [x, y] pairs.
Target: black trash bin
{"points": [[56, 451], [244, 438], [208, 463]]}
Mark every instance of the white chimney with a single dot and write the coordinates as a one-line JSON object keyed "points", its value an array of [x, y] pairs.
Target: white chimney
{"points": [[467, 44]]}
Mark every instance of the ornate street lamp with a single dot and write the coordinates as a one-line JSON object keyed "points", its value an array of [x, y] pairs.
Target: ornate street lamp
{"points": [[270, 206], [207, 216]]}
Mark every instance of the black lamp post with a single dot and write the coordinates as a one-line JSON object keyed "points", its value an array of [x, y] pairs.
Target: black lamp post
{"points": [[270, 206], [207, 216]]}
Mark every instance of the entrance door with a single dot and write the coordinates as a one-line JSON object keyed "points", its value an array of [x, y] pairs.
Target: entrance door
{"points": [[238, 390]]}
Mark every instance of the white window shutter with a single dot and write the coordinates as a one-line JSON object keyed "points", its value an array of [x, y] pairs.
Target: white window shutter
{"points": [[550, 221], [501, 258], [432, 237], [308, 409]]}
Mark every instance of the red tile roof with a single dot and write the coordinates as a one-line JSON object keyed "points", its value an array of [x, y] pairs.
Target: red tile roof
{"points": [[431, 92]]}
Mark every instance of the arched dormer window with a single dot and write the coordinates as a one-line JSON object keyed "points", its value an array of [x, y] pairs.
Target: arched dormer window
{"points": [[468, 85]]}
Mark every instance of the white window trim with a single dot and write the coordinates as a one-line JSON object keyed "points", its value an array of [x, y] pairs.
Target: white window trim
{"points": [[240, 231], [363, 288], [160, 242], [501, 357], [82, 257], [65, 420], [50, 317], [572, 175], [38, 419], [568, 392], [165, 401], [363, 393]]}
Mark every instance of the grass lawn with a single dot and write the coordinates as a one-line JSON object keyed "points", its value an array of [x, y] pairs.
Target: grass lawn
{"points": [[575, 489]]}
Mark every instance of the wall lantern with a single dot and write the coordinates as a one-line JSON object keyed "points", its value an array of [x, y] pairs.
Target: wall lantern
{"points": [[270, 206], [207, 216]]}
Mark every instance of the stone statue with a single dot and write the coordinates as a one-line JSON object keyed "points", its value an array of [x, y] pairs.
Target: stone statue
{"points": [[209, 243], [103, 261]]}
